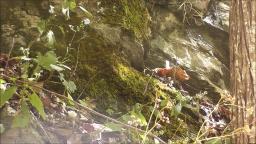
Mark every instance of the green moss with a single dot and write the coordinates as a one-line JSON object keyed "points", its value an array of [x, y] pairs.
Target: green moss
{"points": [[131, 15], [104, 76], [132, 78]]}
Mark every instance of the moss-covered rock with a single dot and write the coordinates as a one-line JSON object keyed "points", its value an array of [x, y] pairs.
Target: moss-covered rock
{"points": [[106, 76], [131, 15]]}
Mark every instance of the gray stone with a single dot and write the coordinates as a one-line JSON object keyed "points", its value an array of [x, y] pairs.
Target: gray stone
{"points": [[202, 51], [132, 49], [218, 15]]}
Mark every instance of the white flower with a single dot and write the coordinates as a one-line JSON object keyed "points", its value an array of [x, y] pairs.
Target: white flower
{"points": [[65, 11], [31, 79], [2, 87], [51, 10], [86, 21], [130, 122], [25, 58]]}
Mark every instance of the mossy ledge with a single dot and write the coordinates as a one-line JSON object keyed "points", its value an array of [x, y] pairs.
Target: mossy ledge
{"points": [[132, 15], [105, 76]]}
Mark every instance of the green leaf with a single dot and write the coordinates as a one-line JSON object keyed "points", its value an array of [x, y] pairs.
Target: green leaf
{"points": [[47, 60], [70, 86], [176, 110], [70, 101], [157, 113], [140, 117], [110, 111], [2, 81], [41, 26], [72, 4], [37, 103], [23, 118], [164, 102], [6, 95]]}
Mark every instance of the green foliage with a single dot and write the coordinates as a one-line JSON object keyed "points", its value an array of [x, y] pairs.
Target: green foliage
{"points": [[67, 6], [176, 110], [37, 103], [136, 112], [180, 102], [69, 85], [41, 26], [70, 4], [7, 94], [47, 60], [70, 101]]}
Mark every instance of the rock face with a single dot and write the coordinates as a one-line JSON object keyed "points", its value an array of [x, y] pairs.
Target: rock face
{"points": [[127, 44], [218, 15], [200, 5], [200, 49], [19, 23]]}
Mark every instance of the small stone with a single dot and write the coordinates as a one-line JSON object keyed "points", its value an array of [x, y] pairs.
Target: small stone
{"points": [[83, 118], [72, 114], [11, 111]]}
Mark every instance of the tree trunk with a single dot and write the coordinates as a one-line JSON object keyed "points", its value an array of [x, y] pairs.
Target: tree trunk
{"points": [[243, 69]]}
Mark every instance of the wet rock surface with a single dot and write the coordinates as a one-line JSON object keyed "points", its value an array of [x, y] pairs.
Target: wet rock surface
{"points": [[200, 49], [217, 15]]}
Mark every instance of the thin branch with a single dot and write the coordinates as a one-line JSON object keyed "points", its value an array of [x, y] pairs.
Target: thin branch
{"points": [[9, 54], [77, 59], [146, 87], [152, 113]]}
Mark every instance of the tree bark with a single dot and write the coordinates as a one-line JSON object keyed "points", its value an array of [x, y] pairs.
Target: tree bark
{"points": [[243, 69]]}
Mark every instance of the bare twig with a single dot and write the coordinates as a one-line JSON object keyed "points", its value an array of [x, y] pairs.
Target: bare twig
{"points": [[146, 133], [9, 54], [146, 87], [77, 58]]}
